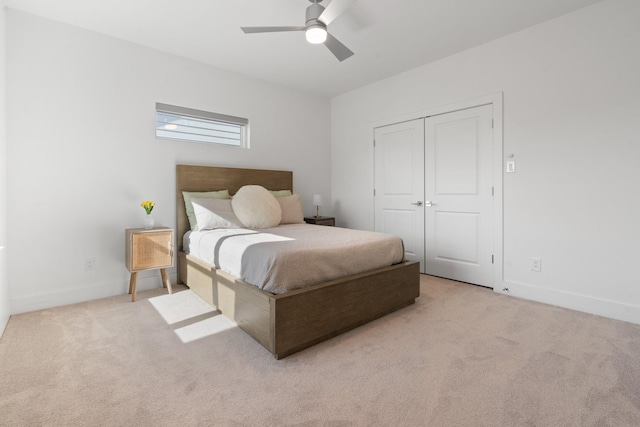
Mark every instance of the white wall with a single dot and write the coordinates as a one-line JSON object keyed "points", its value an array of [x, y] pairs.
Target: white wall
{"points": [[4, 283], [82, 153], [572, 120]]}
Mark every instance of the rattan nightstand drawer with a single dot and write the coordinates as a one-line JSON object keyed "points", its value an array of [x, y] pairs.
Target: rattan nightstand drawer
{"points": [[148, 249]]}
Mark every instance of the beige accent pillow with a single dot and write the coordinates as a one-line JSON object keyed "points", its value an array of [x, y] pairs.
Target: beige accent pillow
{"points": [[256, 207], [291, 207], [215, 213], [188, 206]]}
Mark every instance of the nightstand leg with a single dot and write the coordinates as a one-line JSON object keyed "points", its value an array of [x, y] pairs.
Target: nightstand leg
{"points": [[133, 284], [166, 282]]}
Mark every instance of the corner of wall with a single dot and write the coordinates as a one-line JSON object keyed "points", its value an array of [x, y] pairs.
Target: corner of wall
{"points": [[4, 283]]}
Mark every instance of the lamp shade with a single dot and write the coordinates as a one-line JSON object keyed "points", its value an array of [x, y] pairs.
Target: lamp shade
{"points": [[317, 200]]}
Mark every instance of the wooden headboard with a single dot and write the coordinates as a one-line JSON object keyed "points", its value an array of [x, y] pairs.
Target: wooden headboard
{"points": [[211, 178]]}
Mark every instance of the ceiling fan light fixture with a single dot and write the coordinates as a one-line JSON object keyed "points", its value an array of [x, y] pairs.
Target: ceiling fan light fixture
{"points": [[316, 34]]}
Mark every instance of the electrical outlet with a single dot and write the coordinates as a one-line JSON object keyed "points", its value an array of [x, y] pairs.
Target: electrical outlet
{"points": [[89, 264], [536, 264]]}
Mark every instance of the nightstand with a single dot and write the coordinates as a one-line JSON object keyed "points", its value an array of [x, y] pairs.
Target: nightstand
{"points": [[149, 249], [321, 220]]}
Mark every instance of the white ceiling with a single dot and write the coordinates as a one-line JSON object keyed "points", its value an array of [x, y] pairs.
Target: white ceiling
{"points": [[387, 36]]}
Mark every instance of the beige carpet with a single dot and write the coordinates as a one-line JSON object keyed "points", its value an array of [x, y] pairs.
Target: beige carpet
{"points": [[461, 356]]}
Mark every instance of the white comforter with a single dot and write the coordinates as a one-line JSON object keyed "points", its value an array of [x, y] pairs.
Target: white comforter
{"points": [[293, 256]]}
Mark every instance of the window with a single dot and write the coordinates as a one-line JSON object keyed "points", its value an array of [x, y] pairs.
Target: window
{"points": [[187, 124]]}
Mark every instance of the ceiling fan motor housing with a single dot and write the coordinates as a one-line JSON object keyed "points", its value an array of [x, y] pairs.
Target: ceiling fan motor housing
{"points": [[313, 13]]}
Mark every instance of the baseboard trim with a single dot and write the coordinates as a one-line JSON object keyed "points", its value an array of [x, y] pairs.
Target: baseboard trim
{"points": [[81, 294], [583, 303], [4, 319]]}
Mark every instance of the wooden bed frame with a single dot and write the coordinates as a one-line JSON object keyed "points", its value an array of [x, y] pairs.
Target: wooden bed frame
{"points": [[289, 322]]}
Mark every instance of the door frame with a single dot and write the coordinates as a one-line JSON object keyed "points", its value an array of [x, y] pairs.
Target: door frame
{"points": [[496, 100]]}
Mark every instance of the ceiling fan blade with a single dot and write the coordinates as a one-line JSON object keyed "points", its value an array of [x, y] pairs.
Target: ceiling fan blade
{"points": [[249, 30], [338, 49], [335, 8]]}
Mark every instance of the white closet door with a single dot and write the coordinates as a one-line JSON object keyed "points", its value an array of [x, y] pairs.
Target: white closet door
{"points": [[459, 195], [399, 185]]}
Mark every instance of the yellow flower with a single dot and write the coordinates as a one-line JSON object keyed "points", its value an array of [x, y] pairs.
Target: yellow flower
{"points": [[148, 206]]}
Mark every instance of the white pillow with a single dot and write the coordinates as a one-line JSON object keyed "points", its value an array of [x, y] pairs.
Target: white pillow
{"points": [[214, 213], [188, 195], [256, 207], [291, 207]]}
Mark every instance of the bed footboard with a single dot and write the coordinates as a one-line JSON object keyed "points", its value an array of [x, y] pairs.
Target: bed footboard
{"points": [[290, 322]]}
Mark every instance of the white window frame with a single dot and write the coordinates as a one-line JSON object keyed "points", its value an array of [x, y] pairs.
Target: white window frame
{"points": [[239, 126]]}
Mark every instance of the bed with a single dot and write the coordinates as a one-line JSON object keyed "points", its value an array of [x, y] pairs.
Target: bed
{"points": [[284, 323]]}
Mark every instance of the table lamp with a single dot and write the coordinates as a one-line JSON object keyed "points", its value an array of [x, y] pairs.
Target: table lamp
{"points": [[317, 202]]}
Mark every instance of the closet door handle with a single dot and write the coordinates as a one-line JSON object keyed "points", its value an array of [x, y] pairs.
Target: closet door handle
{"points": [[418, 203], [429, 203]]}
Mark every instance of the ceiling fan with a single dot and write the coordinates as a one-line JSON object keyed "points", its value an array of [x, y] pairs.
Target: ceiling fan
{"points": [[317, 19]]}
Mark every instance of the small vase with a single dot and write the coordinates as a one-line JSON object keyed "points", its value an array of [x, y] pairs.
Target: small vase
{"points": [[148, 221]]}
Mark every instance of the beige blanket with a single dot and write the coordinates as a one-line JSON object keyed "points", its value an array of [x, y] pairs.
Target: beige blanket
{"points": [[293, 256]]}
